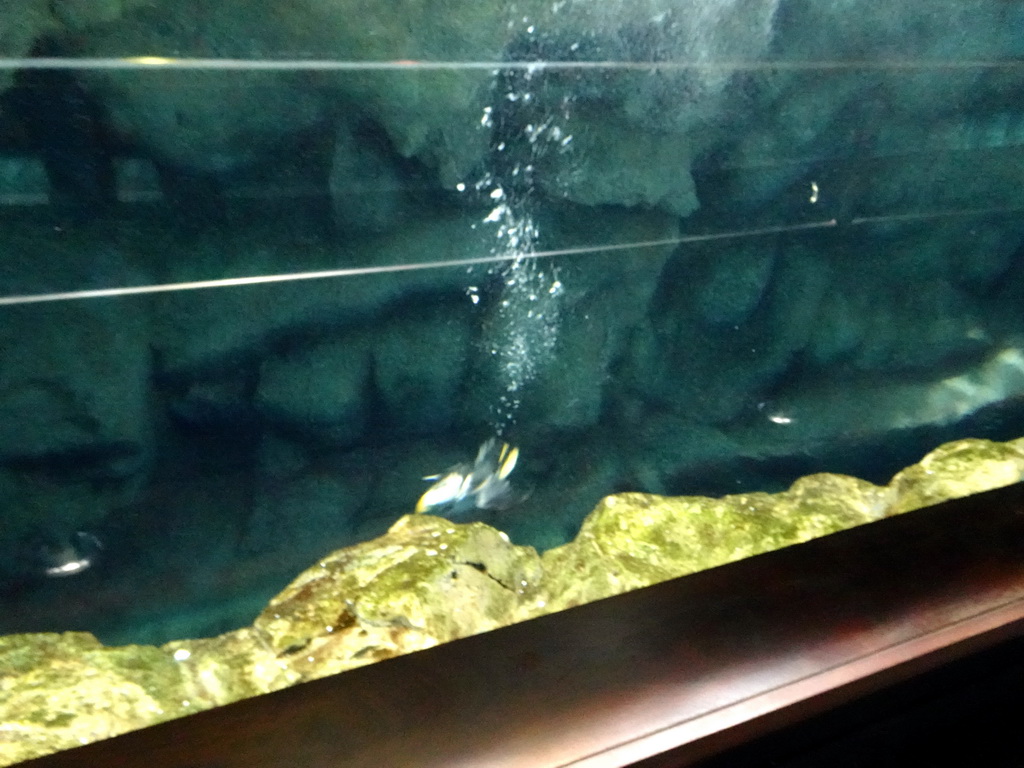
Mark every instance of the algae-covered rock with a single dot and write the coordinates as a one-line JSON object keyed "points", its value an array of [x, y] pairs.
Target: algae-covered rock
{"points": [[634, 539], [229, 667], [427, 581], [61, 690], [955, 470]]}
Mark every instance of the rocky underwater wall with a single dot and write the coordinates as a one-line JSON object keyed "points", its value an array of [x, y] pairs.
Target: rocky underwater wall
{"points": [[661, 247]]}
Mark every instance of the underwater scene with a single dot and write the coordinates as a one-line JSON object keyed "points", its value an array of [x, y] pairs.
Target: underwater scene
{"points": [[274, 275]]}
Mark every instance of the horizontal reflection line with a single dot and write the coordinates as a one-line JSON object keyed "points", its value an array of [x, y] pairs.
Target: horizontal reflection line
{"points": [[926, 215], [232, 282], [161, 62]]}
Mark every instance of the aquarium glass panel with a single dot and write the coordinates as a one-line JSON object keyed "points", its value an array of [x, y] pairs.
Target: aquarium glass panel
{"points": [[277, 275]]}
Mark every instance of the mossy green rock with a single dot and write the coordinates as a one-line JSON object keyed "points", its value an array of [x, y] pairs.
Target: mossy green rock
{"points": [[61, 690], [428, 581], [633, 540], [955, 470], [425, 582]]}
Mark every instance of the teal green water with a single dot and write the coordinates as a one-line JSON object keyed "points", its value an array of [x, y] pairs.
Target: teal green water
{"points": [[254, 291]]}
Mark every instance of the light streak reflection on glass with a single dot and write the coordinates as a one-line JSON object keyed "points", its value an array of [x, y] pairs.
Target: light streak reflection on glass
{"points": [[234, 282]]}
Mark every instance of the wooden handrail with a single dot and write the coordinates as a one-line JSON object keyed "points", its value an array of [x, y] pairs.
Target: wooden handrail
{"points": [[665, 675]]}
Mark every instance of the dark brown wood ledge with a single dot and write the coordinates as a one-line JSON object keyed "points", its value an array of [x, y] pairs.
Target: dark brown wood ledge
{"points": [[666, 675]]}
